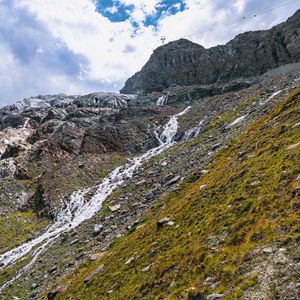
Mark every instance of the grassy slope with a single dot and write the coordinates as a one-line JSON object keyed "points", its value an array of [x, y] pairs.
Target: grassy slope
{"points": [[16, 227], [248, 201]]}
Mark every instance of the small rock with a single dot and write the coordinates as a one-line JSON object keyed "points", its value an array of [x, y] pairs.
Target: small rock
{"points": [[215, 285], [162, 221], [110, 292], [33, 294], [170, 223], [254, 183], [54, 293], [114, 208], [53, 269], [215, 147], [202, 186], [34, 286], [130, 260], [74, 242], [298, 178], [146, 269], [141, 182], [169, 176], [268, 250], [294, 146], [95, 256], [89, 279], [203, 172], [214, 296], [97, 229], [173, 180], [149, 195]]}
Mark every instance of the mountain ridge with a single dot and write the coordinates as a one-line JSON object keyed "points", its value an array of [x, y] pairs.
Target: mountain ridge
{"points": [[249, 54]]}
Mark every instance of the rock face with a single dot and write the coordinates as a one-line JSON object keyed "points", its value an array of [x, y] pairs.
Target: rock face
{"points": [[249, 54]]}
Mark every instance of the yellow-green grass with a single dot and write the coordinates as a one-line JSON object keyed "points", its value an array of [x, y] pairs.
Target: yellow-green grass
{"points": [[247, 200]]}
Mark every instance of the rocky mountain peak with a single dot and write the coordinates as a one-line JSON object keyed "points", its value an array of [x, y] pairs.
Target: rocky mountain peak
{"points": [[249, 54]]}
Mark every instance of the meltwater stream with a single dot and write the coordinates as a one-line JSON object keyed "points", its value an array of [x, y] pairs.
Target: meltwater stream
{"points": [[77, 209]]}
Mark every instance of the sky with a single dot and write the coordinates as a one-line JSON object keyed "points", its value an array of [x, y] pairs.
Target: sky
{"points": [[84, 46]]}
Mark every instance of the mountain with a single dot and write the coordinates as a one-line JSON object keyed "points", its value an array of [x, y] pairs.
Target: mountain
{"points": [[249, 54], [187, 193]]}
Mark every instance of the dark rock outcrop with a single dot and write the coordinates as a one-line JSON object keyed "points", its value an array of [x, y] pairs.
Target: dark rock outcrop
{"points": [[249, 54]]}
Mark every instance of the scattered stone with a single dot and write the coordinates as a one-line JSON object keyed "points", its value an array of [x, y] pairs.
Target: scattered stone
{"points": [[149, 195], [173, 180], [110, 292], [114, 208], [170, 223], [146, 269], [33, 294], [215, 285], [268, 250], [298, 178], [164, 163], [291, 147], [52, 270], [254, 183], [74, 242], [202, 186], [89, 279], [215, 147], [54, 293], [130, 260], [214, 296], [95, 256], [169, 176], [203, 172], [209, 278], [162, 221], [97, 229], [34, 286], [141, 182]]}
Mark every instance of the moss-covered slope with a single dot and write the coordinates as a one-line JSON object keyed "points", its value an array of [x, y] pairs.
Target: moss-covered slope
{"points": [[249, 200]]}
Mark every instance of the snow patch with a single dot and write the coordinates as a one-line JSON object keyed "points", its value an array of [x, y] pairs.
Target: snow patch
{"points": [[238, 120]]}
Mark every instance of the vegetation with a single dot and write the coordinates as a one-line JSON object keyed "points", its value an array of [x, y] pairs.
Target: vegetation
{"points": [[17, 227], [247, 200]]}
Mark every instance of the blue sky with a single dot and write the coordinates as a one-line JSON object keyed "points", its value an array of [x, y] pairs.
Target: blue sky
{"points": [[82, 46], [116, 11]]}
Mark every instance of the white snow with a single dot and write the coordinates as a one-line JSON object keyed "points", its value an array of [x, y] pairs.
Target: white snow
{"points": [[77, 209], [271, 97], [238, 120]]}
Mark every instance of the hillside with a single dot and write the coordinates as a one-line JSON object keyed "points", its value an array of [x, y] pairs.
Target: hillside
{"points": [[234, 231]]}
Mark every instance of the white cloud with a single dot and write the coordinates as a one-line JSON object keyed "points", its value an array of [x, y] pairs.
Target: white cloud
{"points": [[112, 9]]}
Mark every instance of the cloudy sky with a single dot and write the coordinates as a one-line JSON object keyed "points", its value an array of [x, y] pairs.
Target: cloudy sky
{"points": [[81, 46]]}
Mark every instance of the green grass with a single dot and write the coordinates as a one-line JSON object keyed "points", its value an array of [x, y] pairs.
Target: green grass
{"points": [[248, 201], [17, 227]]}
